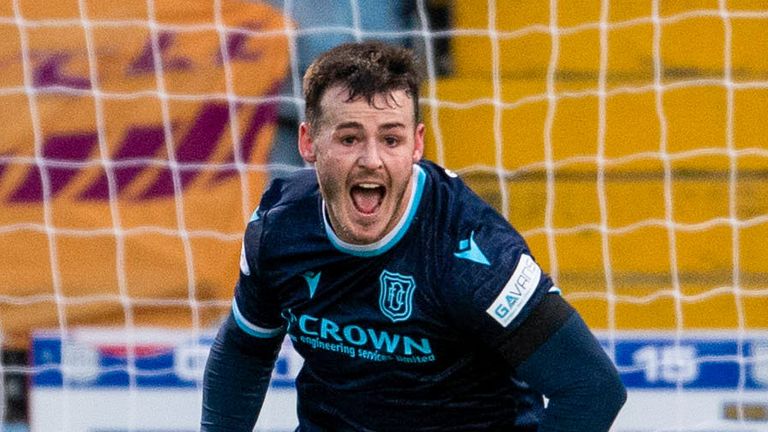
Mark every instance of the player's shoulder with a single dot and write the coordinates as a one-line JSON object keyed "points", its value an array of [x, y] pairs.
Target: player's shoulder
{"points": [[286, 195], [288, 204], [455, 200], [476, 237], [297, 187], [486, 264], [439, 174], [446, 187]]}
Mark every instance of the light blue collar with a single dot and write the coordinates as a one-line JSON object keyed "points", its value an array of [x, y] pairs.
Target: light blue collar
{"points": [[394, 236]]}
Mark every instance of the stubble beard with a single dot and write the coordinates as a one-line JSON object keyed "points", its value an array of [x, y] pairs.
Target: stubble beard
{"points": [[339, 206]]}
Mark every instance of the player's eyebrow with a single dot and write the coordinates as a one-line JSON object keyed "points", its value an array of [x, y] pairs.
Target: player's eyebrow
{"points": [[349, 125], [358, 125], [393, 125]]}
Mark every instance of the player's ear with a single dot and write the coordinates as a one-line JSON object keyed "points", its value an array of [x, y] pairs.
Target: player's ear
{"points": [[306, 144], [418, 142]]}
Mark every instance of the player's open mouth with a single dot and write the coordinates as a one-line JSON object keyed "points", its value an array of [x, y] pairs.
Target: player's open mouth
{"points": [[367, 197]]}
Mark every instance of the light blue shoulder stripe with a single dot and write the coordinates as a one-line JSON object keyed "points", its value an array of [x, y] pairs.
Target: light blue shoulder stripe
{"points": [[254, 215], [250, 328], [391, 239]]}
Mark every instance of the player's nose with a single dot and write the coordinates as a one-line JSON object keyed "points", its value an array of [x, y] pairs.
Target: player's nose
{"points": [[370, 156]]}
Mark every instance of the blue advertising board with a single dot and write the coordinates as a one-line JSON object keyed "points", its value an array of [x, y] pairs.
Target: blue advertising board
{"points": [[645, 361], [151, 360], [690, 381], [692, 361]]}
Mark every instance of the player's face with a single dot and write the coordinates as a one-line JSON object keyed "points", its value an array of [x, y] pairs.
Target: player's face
{"points": [[364, 156]]}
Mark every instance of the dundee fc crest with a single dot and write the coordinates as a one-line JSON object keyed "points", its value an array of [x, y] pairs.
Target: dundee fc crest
{"points": [[396, 295]]}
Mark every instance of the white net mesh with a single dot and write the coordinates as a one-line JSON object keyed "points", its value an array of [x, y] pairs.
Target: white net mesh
{"points": [[625, 140], [626, 152]]}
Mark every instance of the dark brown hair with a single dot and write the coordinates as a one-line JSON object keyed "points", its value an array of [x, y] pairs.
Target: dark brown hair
{"points": [[365, 69]]}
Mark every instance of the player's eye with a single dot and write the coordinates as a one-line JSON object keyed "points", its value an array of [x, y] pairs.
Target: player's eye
{"points": [[348, 140], [391, 141]]}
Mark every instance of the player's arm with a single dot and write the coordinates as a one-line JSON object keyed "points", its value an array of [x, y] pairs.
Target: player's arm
{"points": [[514, 308], [243, 354], [501, 295], [557, 355], [237, 377]]}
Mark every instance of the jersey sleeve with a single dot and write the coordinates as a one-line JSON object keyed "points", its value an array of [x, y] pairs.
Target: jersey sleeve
{"points": [[493, 281], [255, 306]]}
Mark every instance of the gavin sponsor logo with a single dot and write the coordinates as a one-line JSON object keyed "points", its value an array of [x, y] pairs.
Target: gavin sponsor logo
{"points": [[516, 292]]}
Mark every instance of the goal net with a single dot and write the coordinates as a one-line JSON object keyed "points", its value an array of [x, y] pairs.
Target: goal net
{"points": [[626, 141]]}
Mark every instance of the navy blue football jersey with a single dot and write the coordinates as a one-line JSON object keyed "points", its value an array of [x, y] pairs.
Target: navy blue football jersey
{"points": [[402, 334]]}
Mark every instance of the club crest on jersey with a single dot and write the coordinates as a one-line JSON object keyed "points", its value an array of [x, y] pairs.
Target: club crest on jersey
{"points": [[396, 295]]}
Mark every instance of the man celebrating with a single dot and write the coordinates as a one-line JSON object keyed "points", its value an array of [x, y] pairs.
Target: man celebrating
{"points": [[415, 305]]}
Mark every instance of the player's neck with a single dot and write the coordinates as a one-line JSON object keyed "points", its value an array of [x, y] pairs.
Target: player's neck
{"points": [[394, 231]]}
